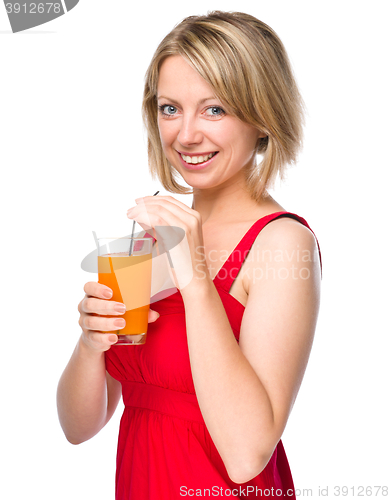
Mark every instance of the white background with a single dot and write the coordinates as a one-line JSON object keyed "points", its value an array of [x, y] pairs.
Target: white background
{"points": [[73, 159]]}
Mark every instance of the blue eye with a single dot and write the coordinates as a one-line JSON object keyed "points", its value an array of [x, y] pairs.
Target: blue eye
{"points": [[167, 109], [215, 111]]}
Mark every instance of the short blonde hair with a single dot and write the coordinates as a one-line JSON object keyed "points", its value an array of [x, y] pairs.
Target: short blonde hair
{"points": [[247, 65]]}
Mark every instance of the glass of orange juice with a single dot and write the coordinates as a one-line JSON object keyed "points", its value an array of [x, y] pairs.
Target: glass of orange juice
{"points": [[125, 266]]}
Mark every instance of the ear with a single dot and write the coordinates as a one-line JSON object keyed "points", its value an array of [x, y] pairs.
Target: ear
{"points": [[262, 135]]}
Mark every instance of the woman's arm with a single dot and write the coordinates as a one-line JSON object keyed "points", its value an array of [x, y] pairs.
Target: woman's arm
{"points": [[87, 395], [247, 391]]}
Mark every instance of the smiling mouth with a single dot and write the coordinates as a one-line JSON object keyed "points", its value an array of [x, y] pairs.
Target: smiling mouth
{"points": [[197, 160]]}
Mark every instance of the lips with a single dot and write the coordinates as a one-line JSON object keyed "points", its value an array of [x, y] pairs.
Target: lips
{"points": [[195, 161]]}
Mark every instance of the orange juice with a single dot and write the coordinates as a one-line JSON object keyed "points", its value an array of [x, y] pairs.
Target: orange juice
{"points": [[129, 278]]}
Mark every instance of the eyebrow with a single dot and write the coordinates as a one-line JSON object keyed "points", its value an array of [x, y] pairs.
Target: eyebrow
{"points": [[198, 103]]}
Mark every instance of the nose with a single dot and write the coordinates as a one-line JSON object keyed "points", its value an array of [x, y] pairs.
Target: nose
{"points": [[190, 132]]}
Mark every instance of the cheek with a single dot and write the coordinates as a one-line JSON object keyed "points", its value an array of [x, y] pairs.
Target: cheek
{"points": [[235, 142], [166, 134], [247, 141]]}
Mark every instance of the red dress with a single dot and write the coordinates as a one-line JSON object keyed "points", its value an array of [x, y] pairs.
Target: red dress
{"points": [[164, 448]]}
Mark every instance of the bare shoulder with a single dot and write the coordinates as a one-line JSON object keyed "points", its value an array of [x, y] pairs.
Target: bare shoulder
{"points": [[284, 249], [286, 231], [288, 240]]}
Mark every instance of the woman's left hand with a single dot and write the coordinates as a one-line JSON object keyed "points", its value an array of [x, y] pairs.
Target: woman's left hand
{"points": [[165, 215]]}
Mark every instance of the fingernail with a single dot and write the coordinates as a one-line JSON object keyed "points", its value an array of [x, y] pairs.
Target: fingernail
{"points": [[138, 199], [120, 308], [113, 339], [107, 294], [120, 323]]}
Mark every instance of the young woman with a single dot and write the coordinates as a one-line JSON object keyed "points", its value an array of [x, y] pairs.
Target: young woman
{"points": [[207, 397]]}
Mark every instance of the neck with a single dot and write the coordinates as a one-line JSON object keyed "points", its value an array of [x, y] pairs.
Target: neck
{"points": [[225, 202]]}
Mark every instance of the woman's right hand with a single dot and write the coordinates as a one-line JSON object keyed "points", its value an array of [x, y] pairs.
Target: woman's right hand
{"points": [[96, 310]]}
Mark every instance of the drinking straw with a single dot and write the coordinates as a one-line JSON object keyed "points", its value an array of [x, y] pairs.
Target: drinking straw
{"points": [[176, 281], [169, 257], [132, 232], [96, 240]]}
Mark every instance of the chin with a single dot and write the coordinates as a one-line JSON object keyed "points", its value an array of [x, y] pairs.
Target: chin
{"points": [[199, 183]]}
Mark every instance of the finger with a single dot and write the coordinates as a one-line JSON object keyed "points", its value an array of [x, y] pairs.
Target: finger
{"points": [[152, 216], [150, 200], [167, 229], [176, 207], [153, 316], [100, 341], [90, 305], [102, 324], [94, 289], [162, 215]]}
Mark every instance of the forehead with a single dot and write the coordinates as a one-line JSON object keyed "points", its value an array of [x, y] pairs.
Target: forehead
{"points": [[178, 79]]}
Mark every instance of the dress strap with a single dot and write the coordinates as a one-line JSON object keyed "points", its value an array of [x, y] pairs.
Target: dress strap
{"points": [[229, 271]]}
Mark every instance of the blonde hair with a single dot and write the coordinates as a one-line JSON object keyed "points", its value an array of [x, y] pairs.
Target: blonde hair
{"points": [[247, 65]]}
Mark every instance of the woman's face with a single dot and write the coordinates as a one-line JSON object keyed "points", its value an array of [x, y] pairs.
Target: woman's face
{"points": [[205, 144]]}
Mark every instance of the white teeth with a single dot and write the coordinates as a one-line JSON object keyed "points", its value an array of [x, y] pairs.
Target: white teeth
{"points": [[196, 159]]}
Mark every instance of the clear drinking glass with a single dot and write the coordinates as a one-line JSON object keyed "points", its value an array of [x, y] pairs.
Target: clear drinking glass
{"points": [[125, 266]]}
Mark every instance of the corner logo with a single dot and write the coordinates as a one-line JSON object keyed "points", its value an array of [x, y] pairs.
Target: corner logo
{"points": [[24, 15]]}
